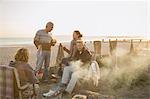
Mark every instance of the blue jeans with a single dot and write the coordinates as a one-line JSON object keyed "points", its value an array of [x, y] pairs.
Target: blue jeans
{"points": [[43, 57]]}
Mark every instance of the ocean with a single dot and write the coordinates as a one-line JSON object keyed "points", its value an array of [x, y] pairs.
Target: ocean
{"points": [[15, 41], [29, 41], [60, 38]]}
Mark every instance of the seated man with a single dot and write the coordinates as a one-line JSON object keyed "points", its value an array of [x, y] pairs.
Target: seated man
{"points": [[71, 73], [89, 77]]}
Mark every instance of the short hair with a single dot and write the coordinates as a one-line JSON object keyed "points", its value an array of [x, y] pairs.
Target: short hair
{"points": [[49, 23], [22, 55], [80, 41]]}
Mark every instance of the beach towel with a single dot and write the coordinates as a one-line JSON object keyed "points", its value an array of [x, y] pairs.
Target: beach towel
{"points": [[60, 54]]}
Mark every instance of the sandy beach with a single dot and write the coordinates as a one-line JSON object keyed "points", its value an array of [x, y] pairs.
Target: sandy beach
{"points": [[7, 54]]}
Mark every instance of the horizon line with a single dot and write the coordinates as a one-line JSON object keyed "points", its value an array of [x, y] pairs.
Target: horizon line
{"points": [[90, 36]]}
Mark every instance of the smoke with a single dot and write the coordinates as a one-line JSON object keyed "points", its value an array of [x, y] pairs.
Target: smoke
{"points": [[86, 72], [119, 70], [122, 68]]}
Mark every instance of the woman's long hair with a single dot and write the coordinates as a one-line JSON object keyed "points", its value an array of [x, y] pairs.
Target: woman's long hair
{"points": [[22, 55], [78, 33]]}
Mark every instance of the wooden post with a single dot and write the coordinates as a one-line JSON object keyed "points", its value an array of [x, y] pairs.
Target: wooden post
{"points": [[97, 47], [147, 44], [131, 47], [112, 46]]}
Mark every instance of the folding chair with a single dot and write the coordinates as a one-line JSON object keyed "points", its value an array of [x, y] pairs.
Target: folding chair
{"points": [[9, 80], [20, 88]]}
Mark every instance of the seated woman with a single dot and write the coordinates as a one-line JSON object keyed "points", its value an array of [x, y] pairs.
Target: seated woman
{"points": [[26, 73], [76, 36], [73, 48]]}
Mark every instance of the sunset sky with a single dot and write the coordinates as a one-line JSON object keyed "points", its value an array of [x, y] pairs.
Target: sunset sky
{"points": [[22, 18]]}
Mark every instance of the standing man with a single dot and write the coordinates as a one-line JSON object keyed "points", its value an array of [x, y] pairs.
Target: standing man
{"points": [[43, 42]]}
